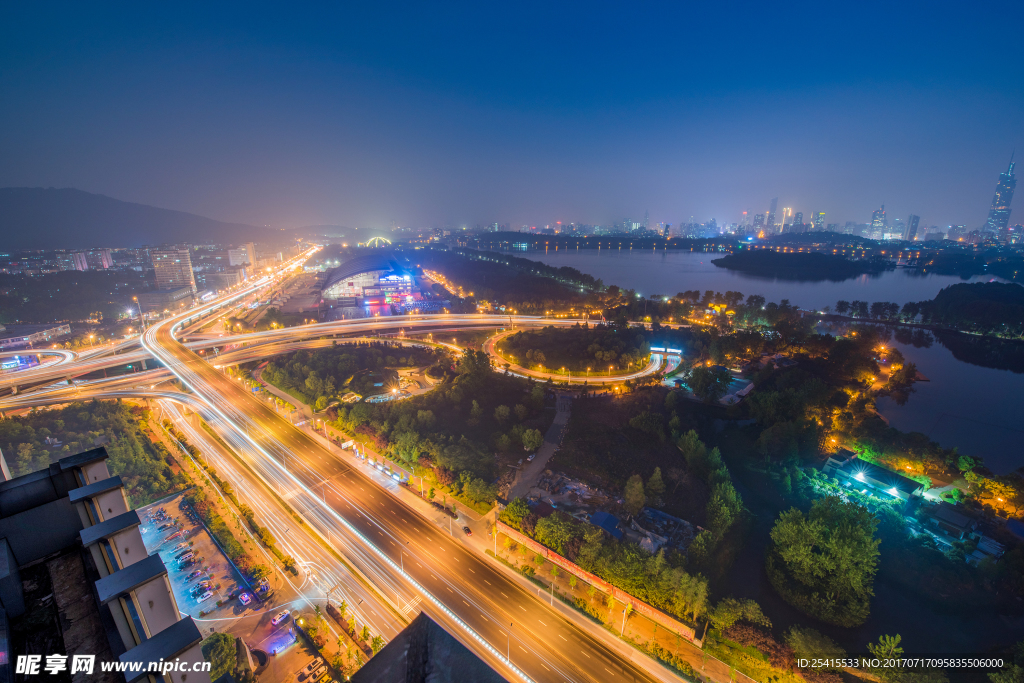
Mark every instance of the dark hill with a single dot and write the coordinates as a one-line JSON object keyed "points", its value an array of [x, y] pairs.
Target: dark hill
{"points": [[812, 267], [50, 218], [984, 307]]}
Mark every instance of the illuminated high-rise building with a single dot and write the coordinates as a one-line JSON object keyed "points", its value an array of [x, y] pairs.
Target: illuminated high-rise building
{"points": [[910, 233], [819, 221], [173, 268], [878, 219], [81, 260], [999, 214], [770, 223]]}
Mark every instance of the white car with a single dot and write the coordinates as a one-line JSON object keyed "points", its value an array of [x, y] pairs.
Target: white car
{"points": [[279, 618], [204, 597], [532, 456]]}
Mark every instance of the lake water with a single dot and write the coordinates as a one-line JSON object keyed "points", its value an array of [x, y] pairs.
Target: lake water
{"points": [[977, 409], [670, 272]]}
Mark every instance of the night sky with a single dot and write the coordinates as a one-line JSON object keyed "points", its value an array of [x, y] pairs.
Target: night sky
{"points": [[464, 114]]}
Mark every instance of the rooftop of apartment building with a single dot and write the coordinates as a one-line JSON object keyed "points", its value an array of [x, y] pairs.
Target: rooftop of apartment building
{"points": [[70, 583]]}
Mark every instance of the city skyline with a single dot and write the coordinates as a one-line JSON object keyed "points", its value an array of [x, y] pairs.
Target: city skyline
{"points": [[361, 117]]}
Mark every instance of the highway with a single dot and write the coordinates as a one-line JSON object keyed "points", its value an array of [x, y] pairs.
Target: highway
{"points": [[98, 361], [397, 546], [319, 569], [490, 348]]}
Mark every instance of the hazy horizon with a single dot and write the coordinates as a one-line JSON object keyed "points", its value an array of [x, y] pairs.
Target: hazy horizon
{"points": [[466, 115]]}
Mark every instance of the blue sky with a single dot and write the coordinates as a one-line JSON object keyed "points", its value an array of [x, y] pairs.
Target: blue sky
{"points": [[364, 114]]}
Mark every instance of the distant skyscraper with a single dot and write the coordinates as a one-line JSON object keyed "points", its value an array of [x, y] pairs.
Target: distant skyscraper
{"points": [[798, 218], [758, 222], [819, 221], [999, 214], [668, 230], [81, 260], [770, 223], [910, 234], [173, 268], [878, 218], [647, 218]]}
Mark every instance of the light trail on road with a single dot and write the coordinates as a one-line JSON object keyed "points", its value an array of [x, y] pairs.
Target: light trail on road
{"points": [[375, 529]]}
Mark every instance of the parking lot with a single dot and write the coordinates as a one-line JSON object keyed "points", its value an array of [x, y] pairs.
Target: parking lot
{"points": [[171, 529]]}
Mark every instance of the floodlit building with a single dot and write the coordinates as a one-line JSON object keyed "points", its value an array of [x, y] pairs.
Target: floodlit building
{"points": [[371, 279], [866, 477], [999, 214], [30, 336], [162, 300], [173, 269], [910, 233]]}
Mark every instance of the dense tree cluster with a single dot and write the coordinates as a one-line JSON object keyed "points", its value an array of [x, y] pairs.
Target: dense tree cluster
{"points": [[579, 348], [655, 579], [824, 563], [991, 308], [526, 286], [316, 377], [455, 429], [808, 267], [31, 442]]}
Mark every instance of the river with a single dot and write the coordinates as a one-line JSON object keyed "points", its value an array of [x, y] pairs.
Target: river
{"points": [[975, 408]]}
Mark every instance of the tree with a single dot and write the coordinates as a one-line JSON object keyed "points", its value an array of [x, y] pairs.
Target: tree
{"points": [[364, 635], [515, 513], [842, 307], [219, 650], [501, 414], [532, 439], [709, 383], [377, 644], [656, 488], [824, 563], [555, 531], [521, 411], [730, 610], [634, 495], [808, 643]]}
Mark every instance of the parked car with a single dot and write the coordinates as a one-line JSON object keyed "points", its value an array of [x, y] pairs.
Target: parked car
{"points": [[315, 664], [204, 597], [279, 618], [320, 670], [176, 534], [185, 556], [323, 676], [469, 532], [164, 527], [194, 575], [185, 565], [201, 587], [183, 553], [532, 456], [244, 598]]}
